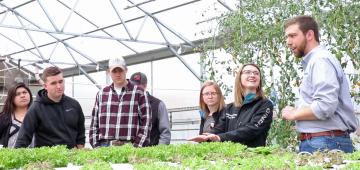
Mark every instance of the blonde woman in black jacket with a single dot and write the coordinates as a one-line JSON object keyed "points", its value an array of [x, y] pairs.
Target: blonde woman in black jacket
{"points": [[248, 119]]}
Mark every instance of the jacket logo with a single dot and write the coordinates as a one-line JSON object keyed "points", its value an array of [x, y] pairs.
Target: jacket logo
{"points": [[230, 116], [68, 110], [261, 121]]}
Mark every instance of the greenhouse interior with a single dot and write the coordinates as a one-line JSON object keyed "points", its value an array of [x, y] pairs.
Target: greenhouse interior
{"points": [[179, 46]]}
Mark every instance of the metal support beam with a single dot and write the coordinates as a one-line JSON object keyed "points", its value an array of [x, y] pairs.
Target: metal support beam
{"points": [[82, 70], [148, 56], [171, 48], [184, 62], [57, 39], [121, 20], [23, 4], [31, 39], [225, 5], [51, 32], [18, 44], [92, 23], [48, 15], [164, 25], [141, 3]]}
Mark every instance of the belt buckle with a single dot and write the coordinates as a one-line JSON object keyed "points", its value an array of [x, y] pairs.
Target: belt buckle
{"points": [[305, 136], [116, 143]]}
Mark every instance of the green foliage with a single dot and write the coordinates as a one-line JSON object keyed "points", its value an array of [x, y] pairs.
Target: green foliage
{"points": [[38, 166], [210, 155], [254, 34], [14, 158], [97, 165], [354, 156], [352, 166], [283, 133], [156, 166]]}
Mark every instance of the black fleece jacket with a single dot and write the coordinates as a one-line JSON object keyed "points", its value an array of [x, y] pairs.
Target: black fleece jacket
{"points": [[53, 123], [248, 124]]}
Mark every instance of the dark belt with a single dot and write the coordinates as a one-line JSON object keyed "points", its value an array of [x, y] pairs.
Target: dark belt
{"points": [[307, 136]]}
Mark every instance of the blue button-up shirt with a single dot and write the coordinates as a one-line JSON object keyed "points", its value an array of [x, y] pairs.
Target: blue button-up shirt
{"points": [[326, 90]]}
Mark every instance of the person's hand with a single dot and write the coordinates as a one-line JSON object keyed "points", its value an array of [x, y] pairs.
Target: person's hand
{"points": [[212, 137], [200, 138], [79, 146], [288, 113]]}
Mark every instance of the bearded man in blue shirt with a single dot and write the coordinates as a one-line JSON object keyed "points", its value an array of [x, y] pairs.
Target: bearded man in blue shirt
{"points": [[324, 114]]}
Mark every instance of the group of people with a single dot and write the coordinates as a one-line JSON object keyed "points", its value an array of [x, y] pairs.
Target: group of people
{"points": [[324, 114], [124, 112], [52, 119], [247, 120]]}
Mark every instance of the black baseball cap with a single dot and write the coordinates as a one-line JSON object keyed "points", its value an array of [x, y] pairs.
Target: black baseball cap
{"points": [[138, 78]]}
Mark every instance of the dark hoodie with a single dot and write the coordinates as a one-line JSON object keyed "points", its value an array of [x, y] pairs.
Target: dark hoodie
{"points": [[53, 123]]}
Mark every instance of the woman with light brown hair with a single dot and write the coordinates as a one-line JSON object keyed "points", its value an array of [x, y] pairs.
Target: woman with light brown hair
{"points": [[211, 103], [248, 119]]}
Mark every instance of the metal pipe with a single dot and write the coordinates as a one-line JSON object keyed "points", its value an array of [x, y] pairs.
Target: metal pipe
{"points": [[122, 21], [164, 25]]}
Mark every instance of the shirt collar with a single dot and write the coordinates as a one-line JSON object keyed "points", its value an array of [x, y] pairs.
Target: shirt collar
{"points": [[309, 55], [125, 88]]}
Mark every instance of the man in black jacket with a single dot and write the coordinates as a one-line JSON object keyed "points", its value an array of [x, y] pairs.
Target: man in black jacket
{"points": [[54, 118], [160, 131]]}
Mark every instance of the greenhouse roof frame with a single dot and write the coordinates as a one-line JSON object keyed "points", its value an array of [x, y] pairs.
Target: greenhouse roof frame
{"points": [[39, 33]]}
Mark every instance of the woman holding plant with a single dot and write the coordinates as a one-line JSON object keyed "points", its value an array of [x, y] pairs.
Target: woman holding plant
{"points": [[248, 119]]}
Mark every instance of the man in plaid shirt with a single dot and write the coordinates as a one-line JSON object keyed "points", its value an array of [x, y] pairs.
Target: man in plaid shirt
{"points": [[121, 113]]}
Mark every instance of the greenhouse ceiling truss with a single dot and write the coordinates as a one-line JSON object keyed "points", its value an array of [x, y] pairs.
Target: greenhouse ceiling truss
{"points": [[59, 36]]}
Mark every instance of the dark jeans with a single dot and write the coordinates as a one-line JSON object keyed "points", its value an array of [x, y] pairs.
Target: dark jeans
{"points": [[322, 143]]}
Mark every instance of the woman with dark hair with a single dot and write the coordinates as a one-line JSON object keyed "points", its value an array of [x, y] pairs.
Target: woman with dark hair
{"points": [[247, 120], [211, 103], [19, 99]]}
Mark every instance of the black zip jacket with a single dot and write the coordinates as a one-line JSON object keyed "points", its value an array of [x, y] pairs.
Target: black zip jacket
{"points": [[154, 133], [248, 124], [53, 123]]}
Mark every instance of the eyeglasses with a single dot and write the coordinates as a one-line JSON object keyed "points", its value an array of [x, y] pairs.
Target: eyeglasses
{"points": [[207, 94], [249, 72]]}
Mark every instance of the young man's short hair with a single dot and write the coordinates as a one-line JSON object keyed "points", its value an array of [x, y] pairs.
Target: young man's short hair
{"points": [[50, 71]]}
